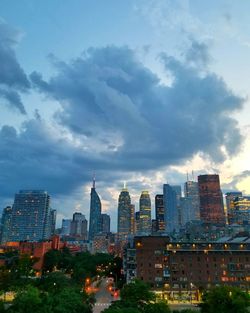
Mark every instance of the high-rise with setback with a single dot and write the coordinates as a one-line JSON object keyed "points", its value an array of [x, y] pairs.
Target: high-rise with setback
{"points": [[145, 213], [125, 214]]}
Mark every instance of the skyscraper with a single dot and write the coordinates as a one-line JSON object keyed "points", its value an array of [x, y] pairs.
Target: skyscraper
{"points": [[159, 213], [191, 192], [230, 196], [31, 216], [95, 213], [145, 213], [211, 201], [105, 223], [6, 224], [125, 213], [79, 226], [171, 213], [52, 222]]}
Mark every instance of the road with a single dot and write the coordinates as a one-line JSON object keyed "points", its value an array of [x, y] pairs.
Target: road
{"points": [[103, 297]]}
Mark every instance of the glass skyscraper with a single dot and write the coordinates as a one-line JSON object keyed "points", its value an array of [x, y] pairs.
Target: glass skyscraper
{"points": [[171, 201], [95, 221], [31, 216], [145, 213]]}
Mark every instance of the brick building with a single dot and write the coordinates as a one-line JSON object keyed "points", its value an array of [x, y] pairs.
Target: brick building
{"points": [[179, 270]]}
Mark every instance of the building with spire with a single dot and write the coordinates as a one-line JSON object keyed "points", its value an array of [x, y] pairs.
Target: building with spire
{"points": [[125, 223], [145, 213], [95, 222]]}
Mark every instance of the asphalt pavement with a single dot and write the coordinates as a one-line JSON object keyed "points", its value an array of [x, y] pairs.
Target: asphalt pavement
{"points": [[103, 297]]}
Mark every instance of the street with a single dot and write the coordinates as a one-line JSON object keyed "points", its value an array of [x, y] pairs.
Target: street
{"points": [[103, 297]]}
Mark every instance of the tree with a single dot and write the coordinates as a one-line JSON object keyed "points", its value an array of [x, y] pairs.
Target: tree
{"points": [[27, 301], [69, 300], [137, 293], [225, 299], [160, 307], [54, 282]]}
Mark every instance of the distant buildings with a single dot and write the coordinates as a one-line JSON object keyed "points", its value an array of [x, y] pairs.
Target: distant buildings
{"points": [[145, 224], [32, 218], [95, 213], [211, 200], [241, 211]]}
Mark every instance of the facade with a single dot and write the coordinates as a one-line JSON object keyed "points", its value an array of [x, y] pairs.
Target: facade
{"points": [[125, 214], [211, 200], [105, 223], [159, 213], [31, 216], [230, 196], [6, 224], [95, 213], [180, 271], [171, 205], [191, 192], [145, 213]]}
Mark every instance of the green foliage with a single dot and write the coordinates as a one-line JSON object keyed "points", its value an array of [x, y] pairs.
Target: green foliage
{"points": [[225, 299], [27, 301], [137, 293], [160, 307], [54, 282]]}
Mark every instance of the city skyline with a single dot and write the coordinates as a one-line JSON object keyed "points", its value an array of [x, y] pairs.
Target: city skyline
{"points": [[142, 91]]}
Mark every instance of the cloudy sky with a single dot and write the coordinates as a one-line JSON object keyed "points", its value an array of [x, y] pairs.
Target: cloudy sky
{"points": [[141, 91]]}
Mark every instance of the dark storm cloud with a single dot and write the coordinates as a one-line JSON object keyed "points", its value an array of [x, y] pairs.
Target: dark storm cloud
{"points": [[13, 80], [108, 94]]}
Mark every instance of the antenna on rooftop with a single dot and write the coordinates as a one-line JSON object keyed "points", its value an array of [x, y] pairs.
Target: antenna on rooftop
{"points": [[94, 180]]}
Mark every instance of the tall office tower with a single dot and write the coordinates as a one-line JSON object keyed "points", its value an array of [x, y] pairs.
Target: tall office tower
{"points": [[211, 201], [105, 223], [191, 192], [31, 216], [241, 213], [95, 213], [230, 196], [171, 213], [159, 213], [6, 224], [145, 213], [124, 213], [137, 222], [66, 226], [79, 226], [52, 222]]}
